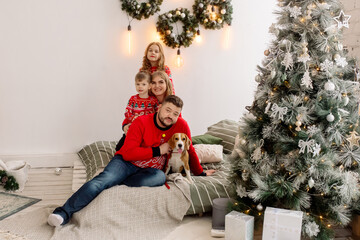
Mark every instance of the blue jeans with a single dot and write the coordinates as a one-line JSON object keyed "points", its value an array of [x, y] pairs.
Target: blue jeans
{"points": [[117, 172]]}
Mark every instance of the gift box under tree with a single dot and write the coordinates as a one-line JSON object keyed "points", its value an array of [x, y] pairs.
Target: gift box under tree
{"points": [[282, 224], [239, 226]]}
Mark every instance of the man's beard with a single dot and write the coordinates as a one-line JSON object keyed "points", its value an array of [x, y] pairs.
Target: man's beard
{"points": [[161, 120]]}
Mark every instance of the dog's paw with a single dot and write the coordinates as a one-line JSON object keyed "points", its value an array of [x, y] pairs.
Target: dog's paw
{"points": [[189, 181]]}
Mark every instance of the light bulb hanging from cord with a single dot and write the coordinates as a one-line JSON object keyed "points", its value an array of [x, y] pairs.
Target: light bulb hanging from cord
{"points": [[198, 37], [179, 61], [129, 39]]}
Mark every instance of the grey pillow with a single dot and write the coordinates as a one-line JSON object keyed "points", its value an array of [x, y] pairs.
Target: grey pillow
{"points": [[96, 155], [226, 130]]}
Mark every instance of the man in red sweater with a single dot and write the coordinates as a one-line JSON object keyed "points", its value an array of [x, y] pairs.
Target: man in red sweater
{"points": [[139, 162]]}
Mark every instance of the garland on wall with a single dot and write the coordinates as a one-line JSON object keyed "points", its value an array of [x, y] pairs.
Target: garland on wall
{"points": [[8, 182], [174, 38], [213, 14], [141, 10]]}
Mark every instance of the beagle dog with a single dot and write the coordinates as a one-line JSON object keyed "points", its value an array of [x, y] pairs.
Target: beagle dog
{"points": [[179, 158]]}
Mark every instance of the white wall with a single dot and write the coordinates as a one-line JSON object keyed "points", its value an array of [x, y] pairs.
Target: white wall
{"points": [[65, 76]]}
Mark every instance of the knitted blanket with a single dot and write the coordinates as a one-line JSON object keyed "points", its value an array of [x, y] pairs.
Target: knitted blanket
{"points": [[117, 213]]}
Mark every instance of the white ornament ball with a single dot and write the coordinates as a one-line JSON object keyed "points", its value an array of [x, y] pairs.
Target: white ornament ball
{"points": [[242, 141], [169, 15], [183, 15], [311, 182], [206, 20], [179, 8], [201, 5], [330, 117], [346, 100], [329, 86], [219, 20], [172, 35], [223, 11], [178, 12], [138, 6], [58, 171], [259, 207], [258, 78]]}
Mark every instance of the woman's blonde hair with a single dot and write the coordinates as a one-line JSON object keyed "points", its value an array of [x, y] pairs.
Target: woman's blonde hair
{"points": [[146, 65], [163, 75]]}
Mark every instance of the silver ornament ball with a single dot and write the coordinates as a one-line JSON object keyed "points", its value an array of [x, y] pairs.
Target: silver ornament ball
{"points": [[329, 86], [259, 207], [330, 117]]}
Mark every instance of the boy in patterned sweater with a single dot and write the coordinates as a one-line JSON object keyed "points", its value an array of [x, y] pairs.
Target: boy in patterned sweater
{"points": [[139, 104]]}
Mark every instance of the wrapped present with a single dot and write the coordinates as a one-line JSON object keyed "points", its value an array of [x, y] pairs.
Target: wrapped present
{"points": [[239, 226], [282, 224]]}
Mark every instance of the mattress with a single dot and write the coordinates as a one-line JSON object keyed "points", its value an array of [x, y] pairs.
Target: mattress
{"points": [[203, 190]]}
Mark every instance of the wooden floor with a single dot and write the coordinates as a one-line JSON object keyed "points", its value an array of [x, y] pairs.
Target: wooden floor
{"points": [[43, 183]]}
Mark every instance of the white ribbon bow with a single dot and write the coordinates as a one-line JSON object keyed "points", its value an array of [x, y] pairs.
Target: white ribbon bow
{"points": [[306, 145], [278, 110]]}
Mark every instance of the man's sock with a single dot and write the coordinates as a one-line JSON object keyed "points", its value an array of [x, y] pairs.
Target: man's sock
{"points": [[55, 220]]}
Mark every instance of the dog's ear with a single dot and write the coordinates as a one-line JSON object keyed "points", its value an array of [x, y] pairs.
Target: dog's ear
{"points": [[171, 141], [188, 142]]}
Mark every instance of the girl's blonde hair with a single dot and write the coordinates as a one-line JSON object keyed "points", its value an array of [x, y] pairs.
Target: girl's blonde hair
{"points": [[146, 65], [163, 75]]}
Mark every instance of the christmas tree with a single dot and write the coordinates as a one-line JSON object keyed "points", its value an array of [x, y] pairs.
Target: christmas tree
{"points": [[298, 145]]}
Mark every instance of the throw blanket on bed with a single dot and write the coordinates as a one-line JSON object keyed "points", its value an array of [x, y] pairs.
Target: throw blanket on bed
{"points": [[117, 213]]}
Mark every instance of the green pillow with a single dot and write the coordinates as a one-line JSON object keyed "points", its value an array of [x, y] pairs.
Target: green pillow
{"points": [[226, 130], [206, 139]]}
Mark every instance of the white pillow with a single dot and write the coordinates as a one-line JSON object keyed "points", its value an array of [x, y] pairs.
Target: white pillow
{"points": [[209, 153]]}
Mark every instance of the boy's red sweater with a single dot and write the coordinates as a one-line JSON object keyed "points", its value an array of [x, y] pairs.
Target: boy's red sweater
{"points": [[144, 137]]}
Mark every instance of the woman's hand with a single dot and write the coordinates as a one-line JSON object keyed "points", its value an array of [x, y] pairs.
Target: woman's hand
{"points": [[210, 172], [126, 128]]}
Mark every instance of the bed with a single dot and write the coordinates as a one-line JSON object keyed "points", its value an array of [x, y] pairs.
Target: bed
{"points": [[93, 157]]}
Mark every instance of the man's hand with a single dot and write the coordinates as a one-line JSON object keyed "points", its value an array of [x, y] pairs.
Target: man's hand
{"points": [[210, 172], [126, 128], [164, 148]]}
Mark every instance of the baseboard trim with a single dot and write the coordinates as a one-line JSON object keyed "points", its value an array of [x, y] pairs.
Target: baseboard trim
{"points": [[44, 160]]}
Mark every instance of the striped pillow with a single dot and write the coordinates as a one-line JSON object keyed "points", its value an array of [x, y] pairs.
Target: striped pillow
{"points": [[227, 131], [96, 155]]}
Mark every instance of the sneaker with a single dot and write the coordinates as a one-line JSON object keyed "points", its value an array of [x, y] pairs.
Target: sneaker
{"points": [[55, 220]]}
